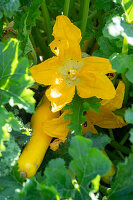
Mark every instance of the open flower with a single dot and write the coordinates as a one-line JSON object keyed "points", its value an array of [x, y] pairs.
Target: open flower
{"points": [[105, 118], [67, 70]]}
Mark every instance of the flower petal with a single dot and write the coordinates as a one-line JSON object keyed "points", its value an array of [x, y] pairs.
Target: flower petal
{"points": [[95, 84], [97, 64], [46, 72], [65, 49], [107, 119], [65, 30], [56, 127], [60, 95], [116, 102], [89, 127]]}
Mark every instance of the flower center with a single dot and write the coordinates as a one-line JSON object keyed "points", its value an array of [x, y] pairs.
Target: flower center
{"points": [[69, 71], [72, 73]]}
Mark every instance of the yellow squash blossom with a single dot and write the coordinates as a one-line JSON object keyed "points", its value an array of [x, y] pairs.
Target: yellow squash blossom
{"points": [[105, 118], [56, 128], [67, 70]]}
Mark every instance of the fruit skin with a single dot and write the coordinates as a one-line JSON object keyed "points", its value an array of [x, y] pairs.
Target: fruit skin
{"points": [[34, 151], [107, 178]]}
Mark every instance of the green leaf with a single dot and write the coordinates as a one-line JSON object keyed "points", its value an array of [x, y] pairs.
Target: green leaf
{"points": [[87, 163], [122, 187], [128, 8], [129, 75], [99, 140], [15, 78], [107, 48], [7, 122], [78, 106], [129, 115], [87, 166], [131, 135], [23, 22], [118, 28], [105, 5], [7, 161], [8, 187], [34, 190], [9, 7], [57, 175], [122, 62]]}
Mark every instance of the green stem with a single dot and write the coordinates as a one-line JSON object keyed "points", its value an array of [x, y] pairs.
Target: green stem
{"points": [[120, 147], [111, 134], [112, 155], [34, 56], [127, 87], [84, 16], [124, 139], [66, 7], [41, 43], [47, 21], [125, 46]]}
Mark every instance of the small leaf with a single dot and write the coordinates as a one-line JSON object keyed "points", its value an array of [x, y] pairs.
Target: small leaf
{"points": [[99, 140], [131, 135], [129, 115], [7, 122], [77, 107], [9, 157]]}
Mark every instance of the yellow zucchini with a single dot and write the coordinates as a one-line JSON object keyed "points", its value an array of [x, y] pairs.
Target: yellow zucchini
{"points": [[33, 153]]}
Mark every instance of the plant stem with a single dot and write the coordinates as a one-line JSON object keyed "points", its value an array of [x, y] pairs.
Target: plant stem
{"points": [[66, 7], [41, 43], [84, 16], [124, 139], [34, 56], [120, 147], [127, 87], [111, 134], [47, 21]]}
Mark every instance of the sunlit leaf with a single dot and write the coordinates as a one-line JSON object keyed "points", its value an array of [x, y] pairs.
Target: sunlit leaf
{"points": [[14, 77], [128, 7]]}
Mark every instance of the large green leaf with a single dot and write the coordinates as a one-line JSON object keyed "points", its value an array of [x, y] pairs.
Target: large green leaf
{"points": [[8, 7], [87, 166], [34, 190], [15, 78], [87, 163], [121, 62], [8, 186], [122, 187], [57, 176]]}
